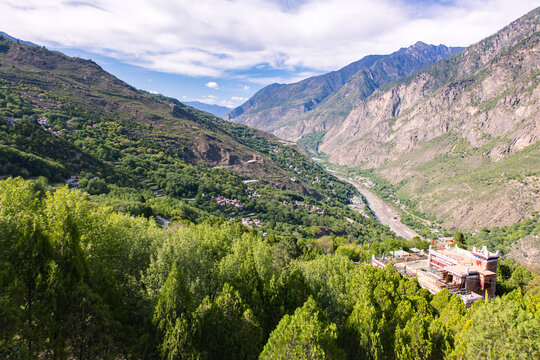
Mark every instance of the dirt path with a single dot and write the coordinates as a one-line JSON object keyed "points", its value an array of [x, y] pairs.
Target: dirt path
{"points": [[385, 214]]}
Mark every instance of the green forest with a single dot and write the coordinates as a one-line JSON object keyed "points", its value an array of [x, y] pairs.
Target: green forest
{"points": [[81, 280]]}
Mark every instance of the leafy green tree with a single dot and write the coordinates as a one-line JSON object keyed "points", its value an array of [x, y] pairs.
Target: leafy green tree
{"points": [[172, 316], [506, 328], [304, 335], [283, 296], [459, 239], [89, 325], [97, 186], [451, 312], [24, 255], [413, 341], [329, 279], [227, 328], [363, 331]]}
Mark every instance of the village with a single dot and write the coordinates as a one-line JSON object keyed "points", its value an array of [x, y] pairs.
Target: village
{"points": [[43, 122]]}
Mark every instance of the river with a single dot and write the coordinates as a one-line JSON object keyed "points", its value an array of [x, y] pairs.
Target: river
{"points": [[384, 213]]}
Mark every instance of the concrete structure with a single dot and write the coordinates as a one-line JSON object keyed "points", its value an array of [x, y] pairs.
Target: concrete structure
{"points": [[73, 182], [469, 274]]}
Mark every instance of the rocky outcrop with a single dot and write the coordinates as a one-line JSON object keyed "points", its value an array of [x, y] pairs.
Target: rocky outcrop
{"points": [[317, 103], [475, 113]]}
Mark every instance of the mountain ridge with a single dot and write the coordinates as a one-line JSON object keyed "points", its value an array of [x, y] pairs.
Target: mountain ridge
{"points": [[283, 109], [459, 137], [441, 135], [80, 96], [217, 110]]}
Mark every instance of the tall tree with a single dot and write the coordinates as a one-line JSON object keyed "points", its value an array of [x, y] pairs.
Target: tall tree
{"points": [[304, 335], [227, 328], [171, 316]]}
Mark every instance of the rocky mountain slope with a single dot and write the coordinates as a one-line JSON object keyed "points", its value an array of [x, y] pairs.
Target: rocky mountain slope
{"points": [[92, 118], [289, 111], [461, 136]]}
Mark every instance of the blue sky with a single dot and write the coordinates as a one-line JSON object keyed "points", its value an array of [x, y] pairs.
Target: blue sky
{"points": [[223, 51]]}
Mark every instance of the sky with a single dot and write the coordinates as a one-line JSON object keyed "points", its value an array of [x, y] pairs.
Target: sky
{"points": [[223, 51]]}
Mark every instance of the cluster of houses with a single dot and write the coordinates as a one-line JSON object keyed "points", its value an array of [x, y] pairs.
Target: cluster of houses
{"points": [[251, 222], [309, 208], [73, 182], [294, 168], [43, 122], [254, 195], [223, 201], [358, 204]]}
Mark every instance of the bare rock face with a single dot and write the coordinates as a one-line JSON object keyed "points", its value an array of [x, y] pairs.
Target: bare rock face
{"points": [[290, 111], [467, 126]]}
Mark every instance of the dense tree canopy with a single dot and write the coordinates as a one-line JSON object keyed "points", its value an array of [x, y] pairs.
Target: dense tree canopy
{"points": [[78, 279]]}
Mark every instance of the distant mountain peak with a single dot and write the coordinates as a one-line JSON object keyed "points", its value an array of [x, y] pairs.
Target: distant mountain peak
{"points": [[281, 109], [420, 44], [213, 109]]}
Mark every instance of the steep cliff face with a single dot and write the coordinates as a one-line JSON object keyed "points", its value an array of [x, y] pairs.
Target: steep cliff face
{"points": [[461, 136], [320, 102]]}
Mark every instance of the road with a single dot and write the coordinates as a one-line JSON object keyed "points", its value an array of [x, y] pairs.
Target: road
{"points": [[384, 213]]}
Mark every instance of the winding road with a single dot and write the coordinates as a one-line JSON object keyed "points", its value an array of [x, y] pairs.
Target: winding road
{"points": [[384, 213]]}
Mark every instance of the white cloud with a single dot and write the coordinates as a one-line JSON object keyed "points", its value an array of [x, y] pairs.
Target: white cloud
{"points": [[245, 87], [212, 85], [282, 79], [239, 98], [215, 37], [227, 103], [207, 99]]}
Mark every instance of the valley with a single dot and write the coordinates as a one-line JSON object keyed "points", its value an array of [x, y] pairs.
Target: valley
{"points": [[456, 137], [386, 210], [386, 214]]}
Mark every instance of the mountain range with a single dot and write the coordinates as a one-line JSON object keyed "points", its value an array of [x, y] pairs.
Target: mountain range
{"points": [[289, 111], [213, 109], [459, 138]]}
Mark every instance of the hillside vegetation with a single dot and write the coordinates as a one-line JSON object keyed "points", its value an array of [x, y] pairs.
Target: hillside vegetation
{"points": [[81, 280], [152, 155]]}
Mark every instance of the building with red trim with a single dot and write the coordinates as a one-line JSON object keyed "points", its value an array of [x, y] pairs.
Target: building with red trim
{"points": [[469, 274]]}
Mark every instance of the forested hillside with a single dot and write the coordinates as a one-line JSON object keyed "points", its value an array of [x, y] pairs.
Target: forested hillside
{"points": [[79, 280], [150, 155]]}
